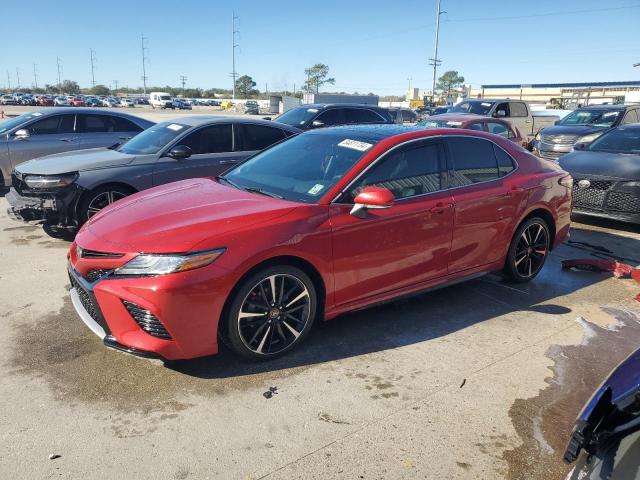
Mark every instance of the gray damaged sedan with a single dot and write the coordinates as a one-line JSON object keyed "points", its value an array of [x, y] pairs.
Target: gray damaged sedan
{"points": [[64, 190], [40, 133]]}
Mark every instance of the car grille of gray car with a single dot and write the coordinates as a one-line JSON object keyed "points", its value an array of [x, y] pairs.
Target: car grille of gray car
{"points": [[601, 196], [147, 321], [559, 139], [550, 155]]}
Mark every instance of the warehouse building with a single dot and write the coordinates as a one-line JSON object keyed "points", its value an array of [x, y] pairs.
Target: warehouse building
{"points": [[561, 95]]}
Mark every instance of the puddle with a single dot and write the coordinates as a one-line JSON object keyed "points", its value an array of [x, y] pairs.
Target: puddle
{"points": [[545, 421], [60, 349]]}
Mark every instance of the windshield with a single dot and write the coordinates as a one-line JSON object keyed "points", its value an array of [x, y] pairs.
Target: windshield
{"points": [[477, 107], [303, 168], [153, 139], [297, 116], [595, 118], [439, 123], [619, 140], [17, 121], [165, 97]]}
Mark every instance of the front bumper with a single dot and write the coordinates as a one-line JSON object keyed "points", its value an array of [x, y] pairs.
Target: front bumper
{"points": [[607, 198], [52, 206], [188, 306], [30, 208]]}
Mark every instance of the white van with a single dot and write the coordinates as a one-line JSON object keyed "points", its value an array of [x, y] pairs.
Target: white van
{"points": [[160, 100]]}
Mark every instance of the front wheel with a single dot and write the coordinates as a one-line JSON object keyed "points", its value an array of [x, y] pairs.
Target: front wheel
{"points": [[99, 198], [271, 313], [528, 250]]}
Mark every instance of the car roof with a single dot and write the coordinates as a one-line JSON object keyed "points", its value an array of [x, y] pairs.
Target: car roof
{"points": [[460, 116], [326, 105], [367, 131], [56, 110], [198, 120], [604, 107]]}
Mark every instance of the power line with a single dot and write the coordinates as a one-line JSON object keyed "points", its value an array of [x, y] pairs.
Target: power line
{"points": [[547, 14], [234, 45], [144, 64], [93, 58]]}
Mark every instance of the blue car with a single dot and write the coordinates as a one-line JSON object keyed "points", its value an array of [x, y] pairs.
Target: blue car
{"points": [[608, 429]]}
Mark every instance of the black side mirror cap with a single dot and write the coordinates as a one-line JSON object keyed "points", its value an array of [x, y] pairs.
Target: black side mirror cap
{"points": [[179, 152]]}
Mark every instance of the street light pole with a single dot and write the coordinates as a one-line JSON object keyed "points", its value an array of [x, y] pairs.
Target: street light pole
{"points": [[435, 61], [234, 45]]}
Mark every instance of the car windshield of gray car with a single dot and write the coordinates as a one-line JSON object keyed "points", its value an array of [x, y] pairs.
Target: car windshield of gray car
{"points": [[479, 108], [297, 117], [619, 140], [301, 169], [153, 139], [594, 118], [17, 121]]}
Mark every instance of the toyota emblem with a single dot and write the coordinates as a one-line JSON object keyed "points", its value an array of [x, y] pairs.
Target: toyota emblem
{"points": [[584, 183]]}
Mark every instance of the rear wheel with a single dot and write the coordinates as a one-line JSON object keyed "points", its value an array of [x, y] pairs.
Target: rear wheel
{"points": [[99, 198], [528, 250], [271, 313]]}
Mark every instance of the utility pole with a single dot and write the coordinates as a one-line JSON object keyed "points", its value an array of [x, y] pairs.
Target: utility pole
{"points": [[183, 80], [234, 45], [409, 93], [59, 75], [93, 58], [17, 79], [144, 65], [435, 61], [8, 80], [35, 76], [115, 83], [266, 88]]}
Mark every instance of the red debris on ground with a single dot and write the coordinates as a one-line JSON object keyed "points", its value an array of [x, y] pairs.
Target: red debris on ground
{"points": [[618, 269]]}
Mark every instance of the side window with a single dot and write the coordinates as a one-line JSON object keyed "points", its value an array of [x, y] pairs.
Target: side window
{"points": [[475, 126], [333, 116], [498, 129], [505, 162], [96, 124], [124, 125], [362, 115], [504, 108], [473, 161], [407, 171], [256, 137], [517, 109], [631, 117], [212, 139], [51, 125]]}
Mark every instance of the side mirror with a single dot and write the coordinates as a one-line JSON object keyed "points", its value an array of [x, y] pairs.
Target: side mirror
{"points": [[179, 152], [317, 124], [580, 146], [22, 134], [556, 122], [371, 197], [266, 118], [500, 114]]}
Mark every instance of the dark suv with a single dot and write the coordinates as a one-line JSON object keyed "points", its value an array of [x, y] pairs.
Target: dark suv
{"points": [[583, 125], [311, 116]]}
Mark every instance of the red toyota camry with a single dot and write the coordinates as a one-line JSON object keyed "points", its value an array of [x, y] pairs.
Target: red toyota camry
{"points": [[329, 221]]}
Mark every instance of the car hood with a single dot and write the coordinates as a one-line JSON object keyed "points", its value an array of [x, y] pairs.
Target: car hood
{"points": [[580, 130], [75, 161], [587, 163], [178, 217]]}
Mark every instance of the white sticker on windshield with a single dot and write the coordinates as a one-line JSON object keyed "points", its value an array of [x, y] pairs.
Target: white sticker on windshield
{"points": [[312, 110], [355, 145], [175, 127], [485, 104], [316, 189], [36, 114]]}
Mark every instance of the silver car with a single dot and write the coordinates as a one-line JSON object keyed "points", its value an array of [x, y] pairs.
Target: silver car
{"points": [[66, 189], [55, 130]]}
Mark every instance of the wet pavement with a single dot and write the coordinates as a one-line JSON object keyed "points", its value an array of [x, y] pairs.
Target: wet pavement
{"points": [[479, 380]]}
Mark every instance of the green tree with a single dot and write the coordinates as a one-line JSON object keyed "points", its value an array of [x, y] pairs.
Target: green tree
{"points": [[317, 76], [100, 90], [244, 86], [449, 82], [70, 87]]}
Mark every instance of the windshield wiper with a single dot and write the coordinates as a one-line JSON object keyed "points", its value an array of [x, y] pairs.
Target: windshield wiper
{"points": [[263, 192], [226, 180]]}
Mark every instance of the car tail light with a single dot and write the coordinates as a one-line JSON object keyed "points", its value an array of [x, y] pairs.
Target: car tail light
{"points": [[566, 181]]}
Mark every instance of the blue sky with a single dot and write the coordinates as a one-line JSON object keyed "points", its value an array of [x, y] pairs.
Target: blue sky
{"points": [[369, 45]]}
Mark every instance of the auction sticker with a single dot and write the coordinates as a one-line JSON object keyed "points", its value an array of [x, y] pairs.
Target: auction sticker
{"points": [[355, 145], [174, 127], [317, 188]]}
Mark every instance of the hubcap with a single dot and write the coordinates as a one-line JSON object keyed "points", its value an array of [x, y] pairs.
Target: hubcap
{"points": [[531, 250], [100, 201], [274, 314]]}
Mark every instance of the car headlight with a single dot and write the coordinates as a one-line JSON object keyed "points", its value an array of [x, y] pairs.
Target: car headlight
{"points": [[160, 264], [538, 136], [589, 138], [50, 181]]}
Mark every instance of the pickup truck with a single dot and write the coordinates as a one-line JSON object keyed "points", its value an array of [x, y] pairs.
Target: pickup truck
{"points": [[517, 112]]}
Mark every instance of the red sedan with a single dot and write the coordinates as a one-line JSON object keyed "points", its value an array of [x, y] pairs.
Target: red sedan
{"points": [[325, 222], [475, 122], [77, 102]]}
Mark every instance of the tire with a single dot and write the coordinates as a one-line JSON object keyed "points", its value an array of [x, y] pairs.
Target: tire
{"points": [[528, 251], [99, 198], [270, 329]]}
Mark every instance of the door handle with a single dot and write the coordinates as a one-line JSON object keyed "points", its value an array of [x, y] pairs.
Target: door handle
{"points": [[228, 162], [441, 208], [511, 192], [66, 139], [125, 138]]}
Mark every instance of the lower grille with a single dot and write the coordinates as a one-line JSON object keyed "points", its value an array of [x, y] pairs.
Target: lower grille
{"points": [[589, 198], [147, 321], [549, 155], [623, 202], [89, 303]]}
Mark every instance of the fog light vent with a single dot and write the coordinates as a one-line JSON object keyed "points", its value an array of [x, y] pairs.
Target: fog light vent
{"points": [[147, 321]]}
